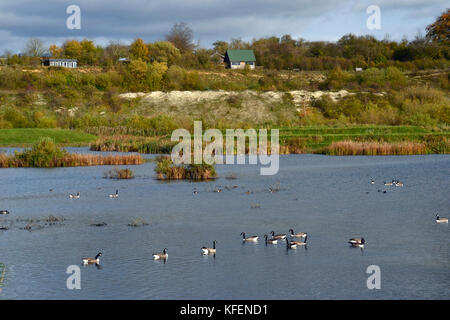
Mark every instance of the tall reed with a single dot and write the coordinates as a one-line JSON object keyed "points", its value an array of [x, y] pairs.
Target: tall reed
{"points": [[374, 148]]}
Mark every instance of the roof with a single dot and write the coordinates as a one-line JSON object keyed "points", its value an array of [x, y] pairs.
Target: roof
{"points": [[241, 55], [65, 60]]}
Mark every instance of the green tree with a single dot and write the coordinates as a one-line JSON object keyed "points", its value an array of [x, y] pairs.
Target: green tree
{"points": [[164, 51]]}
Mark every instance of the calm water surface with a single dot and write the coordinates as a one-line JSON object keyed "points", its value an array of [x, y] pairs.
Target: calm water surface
{"points": [[328, 197]]}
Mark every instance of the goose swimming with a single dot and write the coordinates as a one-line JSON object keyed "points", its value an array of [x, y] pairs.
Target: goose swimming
{"points": [[161, 255], [249, 239], [95, 260], [74, 196], [212, 250], [115, 195], [441, 220]]}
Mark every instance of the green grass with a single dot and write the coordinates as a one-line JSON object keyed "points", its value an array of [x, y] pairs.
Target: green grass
{"points": [[26, 137]]}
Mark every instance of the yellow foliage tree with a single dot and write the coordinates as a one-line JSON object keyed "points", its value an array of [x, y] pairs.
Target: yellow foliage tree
{"points": [[139, 50]]}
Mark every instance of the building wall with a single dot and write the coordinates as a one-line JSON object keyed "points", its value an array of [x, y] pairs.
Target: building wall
{"points": [[241, 65], [64, 64]]}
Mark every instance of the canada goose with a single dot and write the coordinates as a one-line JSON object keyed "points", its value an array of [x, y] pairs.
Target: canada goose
{"points": [[280, 236], [161, 255], [4, 212], [357, 242], [212, 250], [399, 184], [441, 220], [372, 181], [90, 260], [291, 244], [195, 192], [298, 243], [297, 235], [74, 196], [116, 195], [250, 239], [270, 241]]}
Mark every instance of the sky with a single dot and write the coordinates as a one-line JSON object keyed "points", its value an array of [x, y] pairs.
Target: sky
{"points": [[125, 20]]}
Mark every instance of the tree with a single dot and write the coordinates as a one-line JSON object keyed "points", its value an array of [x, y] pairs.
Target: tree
{"points": [[116, 50], [164, 51], [237, 44], [72, 49], [181, 36], [34, 47], [88, 52], [55, 51], [440, 30], [220, 47], [139, 50]]}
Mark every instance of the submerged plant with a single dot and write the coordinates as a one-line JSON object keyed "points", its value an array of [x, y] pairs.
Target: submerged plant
{"points": [[138, 222], [117, 173]]}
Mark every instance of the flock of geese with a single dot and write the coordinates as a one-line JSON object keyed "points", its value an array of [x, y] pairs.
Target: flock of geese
{"points": [[290, 244], [278, 237]]}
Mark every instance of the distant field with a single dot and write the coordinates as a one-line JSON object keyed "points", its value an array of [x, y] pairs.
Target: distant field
{"points": [[24, 137]]}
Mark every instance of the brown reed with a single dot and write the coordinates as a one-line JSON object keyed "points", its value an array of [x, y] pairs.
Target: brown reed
{"points": [[374, 148], [74, 160]]}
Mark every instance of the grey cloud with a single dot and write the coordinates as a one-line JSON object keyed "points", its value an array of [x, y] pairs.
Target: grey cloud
{"points": [[210, 19]]}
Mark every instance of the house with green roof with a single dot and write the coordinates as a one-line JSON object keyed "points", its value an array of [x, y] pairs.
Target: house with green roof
{"points": [[238, 59]]}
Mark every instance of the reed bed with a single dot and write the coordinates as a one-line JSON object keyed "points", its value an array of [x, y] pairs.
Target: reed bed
{"points": [[73, 160], [46, 154], [374, 148], [129, 143]]}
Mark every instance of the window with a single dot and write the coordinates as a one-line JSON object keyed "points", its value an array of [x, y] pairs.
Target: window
{"points": [[235, 63]]}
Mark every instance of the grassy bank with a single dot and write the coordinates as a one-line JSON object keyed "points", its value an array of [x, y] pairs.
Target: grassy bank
{"points": [[24, 137]]}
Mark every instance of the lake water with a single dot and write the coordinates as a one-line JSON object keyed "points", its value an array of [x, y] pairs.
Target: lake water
{"points": [[328, 197]]}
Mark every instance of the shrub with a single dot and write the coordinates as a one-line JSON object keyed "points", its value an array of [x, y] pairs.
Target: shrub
{"points": [[174, 77], [42, 155]]}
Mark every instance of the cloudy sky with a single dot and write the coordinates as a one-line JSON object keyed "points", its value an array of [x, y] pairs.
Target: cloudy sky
{"points": [[124, 20]]}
